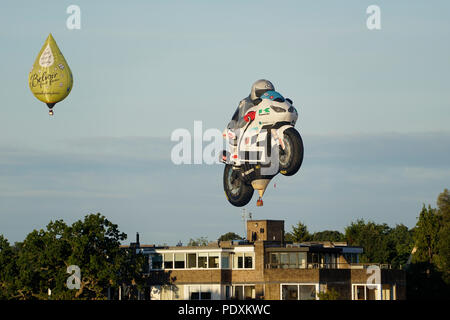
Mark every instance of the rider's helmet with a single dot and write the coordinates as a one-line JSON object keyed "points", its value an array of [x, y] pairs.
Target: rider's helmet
{"points": [[259, 88]]}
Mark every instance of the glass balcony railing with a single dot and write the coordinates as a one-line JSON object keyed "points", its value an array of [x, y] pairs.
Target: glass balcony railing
{"points": [[326, 266]]}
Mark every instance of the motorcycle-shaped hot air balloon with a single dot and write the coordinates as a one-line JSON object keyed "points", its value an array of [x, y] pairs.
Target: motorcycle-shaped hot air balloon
{"points": [[50, 79], [267, 145]]}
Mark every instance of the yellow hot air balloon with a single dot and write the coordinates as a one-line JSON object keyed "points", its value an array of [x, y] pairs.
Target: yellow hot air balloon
{"points": [[50, 79]]}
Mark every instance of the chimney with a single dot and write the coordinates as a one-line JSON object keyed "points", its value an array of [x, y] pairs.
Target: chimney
{"points": [[137, 239]]}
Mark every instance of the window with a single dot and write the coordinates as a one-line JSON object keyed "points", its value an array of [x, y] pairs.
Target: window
{"points": [[351, 257], [366, 292], [284, 260], [299, 291], [313, 257], [227, 293], [205, 296], [244, 292], [168, 260], [387, 292], [293, 260], [225, 261], [360, 293], [171, 292], [243, 260], [371, 294], [195, 295], [192, 260], [203, 260], [239, 260], [239, 292], [302, 260], [289, 292], [275, 259], [307, 292], [248, 262], [313, 260], [249, 292], [155, 261], [333, 261], [200, 293], [213, 260], [179, 260]]}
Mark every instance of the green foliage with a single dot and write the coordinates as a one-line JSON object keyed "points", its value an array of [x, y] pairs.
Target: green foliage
{"points": [[373, 238], [402, 243], [299, 233], [8, 269], [230, 236], [202, 241], [443, 203], [328, 235], [426, 236], [443, 245], [329, 294], [381, 243], [41, 260], [428, 276], [425, 281]]}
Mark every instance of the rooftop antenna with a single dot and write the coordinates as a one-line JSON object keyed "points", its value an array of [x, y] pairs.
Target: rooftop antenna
{"points": [[245, 215]]}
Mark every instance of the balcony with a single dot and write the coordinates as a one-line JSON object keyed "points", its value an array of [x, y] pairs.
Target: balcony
{"points": [[327, 266]]}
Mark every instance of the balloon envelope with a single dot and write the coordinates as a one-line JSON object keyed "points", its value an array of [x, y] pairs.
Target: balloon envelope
{"points": [[50, 78]]}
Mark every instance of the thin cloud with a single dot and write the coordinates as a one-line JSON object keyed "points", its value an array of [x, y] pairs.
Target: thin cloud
{"points": [[384, 177]]}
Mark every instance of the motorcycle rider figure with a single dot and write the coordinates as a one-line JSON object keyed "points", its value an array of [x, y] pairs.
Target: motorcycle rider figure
{"points": [[241, 117]]}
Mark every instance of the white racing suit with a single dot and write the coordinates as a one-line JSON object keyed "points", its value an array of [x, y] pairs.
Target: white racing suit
{"points": [[237, 122]]}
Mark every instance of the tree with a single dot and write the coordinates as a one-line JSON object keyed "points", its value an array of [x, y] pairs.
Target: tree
{"points": [[230, 236], [328, 235], [443, 245], [402, 240], [202, 241], [376, 240], [443, 203], [92, 244], [428, 275], [96, 250], [426, 236], [8, 269], [299, 233], [41, 263]]}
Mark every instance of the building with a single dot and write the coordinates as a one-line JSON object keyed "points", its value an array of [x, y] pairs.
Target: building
{"points": [[265, 267]]}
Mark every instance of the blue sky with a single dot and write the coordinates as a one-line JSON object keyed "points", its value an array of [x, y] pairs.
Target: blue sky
{"points": [[374, 111]]}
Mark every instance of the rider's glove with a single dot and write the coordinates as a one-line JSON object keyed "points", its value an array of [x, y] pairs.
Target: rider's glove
{"points": [[250, 116]]}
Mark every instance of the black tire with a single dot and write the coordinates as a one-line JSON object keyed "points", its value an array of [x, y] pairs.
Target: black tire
{"points": [[291, 157], [237, 191]]}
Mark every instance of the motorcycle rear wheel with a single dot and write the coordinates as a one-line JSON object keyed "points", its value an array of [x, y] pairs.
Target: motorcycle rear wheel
{"points": [[291, 157], [237, 191]]}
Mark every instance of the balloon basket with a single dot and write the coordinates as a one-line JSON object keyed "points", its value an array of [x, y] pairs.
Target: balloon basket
{"points": [[259, 203]]}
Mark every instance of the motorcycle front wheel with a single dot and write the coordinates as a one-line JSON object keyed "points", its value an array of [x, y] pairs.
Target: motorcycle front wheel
{"points": [[237, 191], [291, 157]]}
